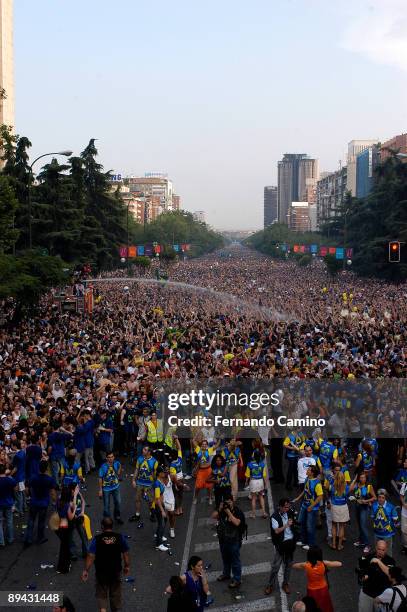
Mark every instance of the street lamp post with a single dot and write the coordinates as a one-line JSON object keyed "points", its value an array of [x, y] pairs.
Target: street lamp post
{"points": [[30, 176]]}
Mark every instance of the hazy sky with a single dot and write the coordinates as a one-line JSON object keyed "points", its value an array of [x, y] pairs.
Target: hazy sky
{"points": [[211, 92]]}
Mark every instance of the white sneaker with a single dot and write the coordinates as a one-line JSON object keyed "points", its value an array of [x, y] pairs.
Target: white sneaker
{"points": [[187, 477], [194, 501], [305, 547], [172, 533], [162, 547], [164, 539], [210, 501], [299, 543]]}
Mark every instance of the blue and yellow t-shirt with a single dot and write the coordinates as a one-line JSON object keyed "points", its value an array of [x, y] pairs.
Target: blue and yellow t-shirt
{"points": [[204, 456], [221, 475], [176, 466], [384, 517], [146, 471], [255, 470], [312, 490], [159, 488], [110, 476]]}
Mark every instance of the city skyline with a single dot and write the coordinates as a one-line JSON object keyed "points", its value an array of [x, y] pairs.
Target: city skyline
{"points": [[202, 98]]}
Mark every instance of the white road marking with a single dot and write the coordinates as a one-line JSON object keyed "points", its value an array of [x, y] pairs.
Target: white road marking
{"points": [[283, 596], [188, 538], [253, 539], [204, 522], [258, 605], [247, 570]]}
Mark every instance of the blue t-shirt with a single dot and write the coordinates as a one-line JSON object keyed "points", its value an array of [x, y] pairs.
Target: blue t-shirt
{"points": [[40, 487], [401, 475], [33, 458], [384, 517], [110, 476], [105, 436], [79, 438], [89, 428], [146, 471], [19, 462], [57, 442], [7, 484]]}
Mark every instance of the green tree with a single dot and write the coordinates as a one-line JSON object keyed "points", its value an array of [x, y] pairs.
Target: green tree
{"points": [[25, 278], [8, 208], [106, 210], [15, 158], [57, 223]]}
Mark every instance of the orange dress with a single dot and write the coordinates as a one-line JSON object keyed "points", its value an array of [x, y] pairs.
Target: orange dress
{"points": [[317, 586]]}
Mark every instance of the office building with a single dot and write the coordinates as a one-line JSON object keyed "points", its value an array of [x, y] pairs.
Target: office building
{"points": [[330, 195], [270, 205], [397, 143], [6, 63], [366, 162], [355, 147], [297, 176]]}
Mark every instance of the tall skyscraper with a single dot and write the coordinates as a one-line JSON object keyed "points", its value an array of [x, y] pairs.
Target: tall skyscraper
{"points": [[6, 63], [270, 205], [354, 148], [297, 177]]}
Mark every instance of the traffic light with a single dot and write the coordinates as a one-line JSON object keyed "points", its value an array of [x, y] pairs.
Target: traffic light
{"points": [[394, 251]]}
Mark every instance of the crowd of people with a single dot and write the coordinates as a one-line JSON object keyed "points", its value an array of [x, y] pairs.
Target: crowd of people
{"points": [[82, 394]]}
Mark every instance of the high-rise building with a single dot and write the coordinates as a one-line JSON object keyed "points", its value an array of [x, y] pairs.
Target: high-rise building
{"points": [[270, 205], [354, 148], [6, 63], [397, 143], [176, 202], [297, 176], [366, 162], [331, 193]]}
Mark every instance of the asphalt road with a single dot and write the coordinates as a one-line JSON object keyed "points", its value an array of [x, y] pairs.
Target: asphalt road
{"points": [[195, 534]]}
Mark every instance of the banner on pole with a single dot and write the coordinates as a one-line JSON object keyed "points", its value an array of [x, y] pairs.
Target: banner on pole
{"points": [[340, 253]]}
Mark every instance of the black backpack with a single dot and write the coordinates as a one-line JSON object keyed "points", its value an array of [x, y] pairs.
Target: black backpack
{"points": [[403, 605]]}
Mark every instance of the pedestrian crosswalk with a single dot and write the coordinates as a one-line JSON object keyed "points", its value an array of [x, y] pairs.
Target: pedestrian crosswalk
{"points": [[259, 605], [256, 556], [251, 539], [247, 570]]}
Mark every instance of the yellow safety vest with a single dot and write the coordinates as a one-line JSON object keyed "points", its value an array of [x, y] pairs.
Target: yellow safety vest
{"points": [[155, 434]]}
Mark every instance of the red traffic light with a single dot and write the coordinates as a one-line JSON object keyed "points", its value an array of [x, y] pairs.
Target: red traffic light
{"points": [[394, 252]]}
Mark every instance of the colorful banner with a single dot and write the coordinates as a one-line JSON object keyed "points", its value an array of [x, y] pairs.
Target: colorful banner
{"points": [[332, 250], [314, 248], [323, 251], [140, 250], [349, 253], [157, 248], [149, 250], [284, 248], [176, 247], [340, 253], [123, 251], [132, 251], [296, 248]]}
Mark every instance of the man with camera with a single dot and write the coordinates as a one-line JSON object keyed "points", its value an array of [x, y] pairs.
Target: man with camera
{"points": [[283, 538], [373, 573], [231, 526]]}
